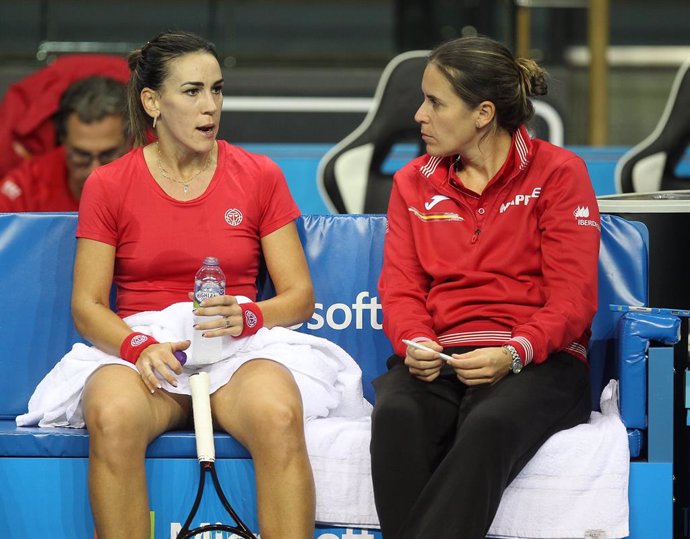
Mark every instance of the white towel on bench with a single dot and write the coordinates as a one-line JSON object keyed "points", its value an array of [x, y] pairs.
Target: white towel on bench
{"points": [[577, 481], [328, 378], [339, 454]]}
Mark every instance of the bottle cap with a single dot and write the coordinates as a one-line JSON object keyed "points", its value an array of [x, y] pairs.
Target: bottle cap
{"points": [[181, 356], [210, 261]]}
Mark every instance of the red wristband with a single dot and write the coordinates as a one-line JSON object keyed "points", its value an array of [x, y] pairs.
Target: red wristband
{"points": [[252, 319], [134, 344]]}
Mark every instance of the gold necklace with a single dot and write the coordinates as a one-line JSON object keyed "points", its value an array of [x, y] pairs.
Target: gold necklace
{"points": [[166, 174]]}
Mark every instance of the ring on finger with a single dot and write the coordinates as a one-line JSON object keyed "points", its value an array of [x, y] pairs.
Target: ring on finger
{"points": [[227, 322]]}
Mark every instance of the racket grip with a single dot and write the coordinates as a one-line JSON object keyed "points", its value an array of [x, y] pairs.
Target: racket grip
{"points": [[203, 424]]}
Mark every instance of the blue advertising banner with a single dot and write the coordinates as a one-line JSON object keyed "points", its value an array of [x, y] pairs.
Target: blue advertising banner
{"points": [[61, 510]]}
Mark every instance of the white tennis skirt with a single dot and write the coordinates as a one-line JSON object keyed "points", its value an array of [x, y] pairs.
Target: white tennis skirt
{"points": [[328, 378]]}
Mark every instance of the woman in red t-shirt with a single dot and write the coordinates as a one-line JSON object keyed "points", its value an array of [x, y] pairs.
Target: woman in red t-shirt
{"points": [[146, 222]]}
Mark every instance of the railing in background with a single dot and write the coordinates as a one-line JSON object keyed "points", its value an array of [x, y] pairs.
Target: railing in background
{"points": [[550, 117], [299, 163]]}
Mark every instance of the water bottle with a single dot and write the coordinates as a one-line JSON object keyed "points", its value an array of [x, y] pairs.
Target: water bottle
{"points": [[209, 281]]}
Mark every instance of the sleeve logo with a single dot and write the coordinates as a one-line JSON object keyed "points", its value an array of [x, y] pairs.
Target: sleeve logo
{"points": [[581, 215], [581, 212]]}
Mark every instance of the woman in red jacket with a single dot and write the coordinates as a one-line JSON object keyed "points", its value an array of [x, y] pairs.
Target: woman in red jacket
{"points": [[491, 257]]}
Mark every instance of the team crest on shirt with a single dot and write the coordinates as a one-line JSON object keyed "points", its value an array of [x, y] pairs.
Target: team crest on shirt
{"points": [[233, 217]]}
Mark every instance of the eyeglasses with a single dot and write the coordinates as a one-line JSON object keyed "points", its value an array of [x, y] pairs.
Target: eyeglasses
{"points": [[81, 158]]}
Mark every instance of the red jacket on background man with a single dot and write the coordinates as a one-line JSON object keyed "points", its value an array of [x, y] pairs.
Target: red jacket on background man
{"points": [[28, 107], [39, 184]]}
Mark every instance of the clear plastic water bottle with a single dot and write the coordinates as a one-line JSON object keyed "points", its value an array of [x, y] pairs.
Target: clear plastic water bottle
{"points": [[209, 281]]}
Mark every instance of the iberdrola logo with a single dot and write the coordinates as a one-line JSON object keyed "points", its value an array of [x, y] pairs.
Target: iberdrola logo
{"points": [[581, 212]]}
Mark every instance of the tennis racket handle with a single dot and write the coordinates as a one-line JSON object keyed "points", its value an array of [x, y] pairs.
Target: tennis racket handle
{"points": [[203, 424]]}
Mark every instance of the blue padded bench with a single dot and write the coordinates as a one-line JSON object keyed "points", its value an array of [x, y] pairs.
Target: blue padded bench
{"points": [[43, 471]]}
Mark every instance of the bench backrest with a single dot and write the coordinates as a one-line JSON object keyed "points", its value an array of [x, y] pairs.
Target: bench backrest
{"points": [[344, 253]]}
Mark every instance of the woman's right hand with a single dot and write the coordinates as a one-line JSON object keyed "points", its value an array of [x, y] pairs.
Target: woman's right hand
{"points": [[424, 365], [223, 316], [157, 361]]}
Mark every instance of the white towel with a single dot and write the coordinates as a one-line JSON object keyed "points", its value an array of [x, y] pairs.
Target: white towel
{"points": [[339, 454], [577, 481], [328, 378]]}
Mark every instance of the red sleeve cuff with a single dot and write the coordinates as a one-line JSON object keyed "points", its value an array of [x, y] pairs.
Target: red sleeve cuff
{"points": [[523, 347]]}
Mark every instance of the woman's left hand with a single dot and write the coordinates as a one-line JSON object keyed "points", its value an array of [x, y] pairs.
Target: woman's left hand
{"points": [[226, 316], [481, 366]]}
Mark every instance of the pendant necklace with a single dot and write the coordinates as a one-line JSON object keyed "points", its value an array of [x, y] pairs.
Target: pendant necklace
{"points": [[185, 184]]}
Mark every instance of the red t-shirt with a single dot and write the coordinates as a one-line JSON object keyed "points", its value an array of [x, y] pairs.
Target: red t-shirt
{"points": [[160, 242], [39, 184]]}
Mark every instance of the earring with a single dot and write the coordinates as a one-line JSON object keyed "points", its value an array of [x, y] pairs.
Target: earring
{"points": [[155, 118]]}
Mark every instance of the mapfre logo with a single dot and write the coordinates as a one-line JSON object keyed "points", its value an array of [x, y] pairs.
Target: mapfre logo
{"points": [[521, 200]]}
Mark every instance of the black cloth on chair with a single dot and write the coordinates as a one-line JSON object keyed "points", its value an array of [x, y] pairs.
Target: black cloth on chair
{"points": [[651, 165], [351, 175]]}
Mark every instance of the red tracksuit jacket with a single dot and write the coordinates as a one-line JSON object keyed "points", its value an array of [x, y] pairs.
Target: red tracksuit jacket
{"points": [[28, 107], [515, 265]]}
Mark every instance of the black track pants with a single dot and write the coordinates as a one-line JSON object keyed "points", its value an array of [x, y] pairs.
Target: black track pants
{"points": [[443, 453]]}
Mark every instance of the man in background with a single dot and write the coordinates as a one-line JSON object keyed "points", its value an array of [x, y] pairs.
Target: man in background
{"points": [[91, 128]]}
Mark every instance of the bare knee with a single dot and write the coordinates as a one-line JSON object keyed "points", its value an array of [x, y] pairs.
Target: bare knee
{"points": [[275, 425], [116, 430]]}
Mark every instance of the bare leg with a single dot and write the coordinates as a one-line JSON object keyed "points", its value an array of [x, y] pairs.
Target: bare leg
{"points": [[261, 406], [123, 418]]}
